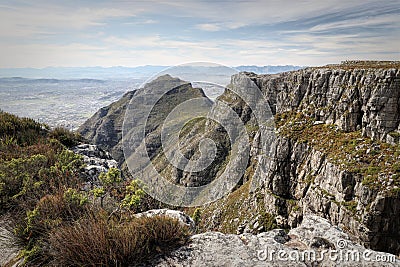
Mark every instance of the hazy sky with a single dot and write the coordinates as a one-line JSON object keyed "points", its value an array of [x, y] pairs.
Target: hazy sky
{"points": [[44, 33]]}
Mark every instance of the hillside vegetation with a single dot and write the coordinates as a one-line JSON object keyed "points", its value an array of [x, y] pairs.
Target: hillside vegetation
{"points": [[56, 222]]}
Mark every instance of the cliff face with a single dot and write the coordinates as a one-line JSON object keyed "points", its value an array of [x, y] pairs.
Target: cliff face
{"points": [[349, 179], [351, 98], [303, 180], [336, 154]]}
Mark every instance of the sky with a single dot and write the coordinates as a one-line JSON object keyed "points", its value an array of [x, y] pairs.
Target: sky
{"points": [[132, 33]]}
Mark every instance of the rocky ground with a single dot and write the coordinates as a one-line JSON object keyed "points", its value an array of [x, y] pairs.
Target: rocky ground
{"points": [[315, 242], [8, 244]]}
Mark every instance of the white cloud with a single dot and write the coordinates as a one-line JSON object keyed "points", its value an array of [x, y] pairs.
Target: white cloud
{"points": [[143, 22], [235, 14], [387, 21], [37, 20], [133, 42], [208, 27], [44, 34], [214, 27]]}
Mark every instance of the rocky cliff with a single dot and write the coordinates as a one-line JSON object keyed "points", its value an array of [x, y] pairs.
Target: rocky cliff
{"points": [[336, 152], [351, 96]]}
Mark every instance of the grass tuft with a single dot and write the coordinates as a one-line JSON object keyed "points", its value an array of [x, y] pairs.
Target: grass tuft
{"points": [[95, 241]]}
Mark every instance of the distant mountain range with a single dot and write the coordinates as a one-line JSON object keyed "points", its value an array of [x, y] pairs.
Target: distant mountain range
{"points": [[116, 72]]}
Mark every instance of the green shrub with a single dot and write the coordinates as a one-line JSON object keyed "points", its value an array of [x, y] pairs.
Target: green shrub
{"points": [[196, 216], [22, 131], [20, 178], [110, 178], [74, 197], [26, 179], [133, 195], [66, 137], [68, 162], [50, 212], [351, 206]]}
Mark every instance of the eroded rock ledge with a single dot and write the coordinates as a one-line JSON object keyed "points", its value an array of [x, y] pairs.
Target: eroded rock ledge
{"points": [[315, 242]]}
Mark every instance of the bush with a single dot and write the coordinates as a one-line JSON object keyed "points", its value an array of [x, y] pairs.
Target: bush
{"points": [[20, 178], [196, 216], [66, 137], [23, 131], [95, 241], [40, 188], [24, 180], [133, 195], [50, 212]]}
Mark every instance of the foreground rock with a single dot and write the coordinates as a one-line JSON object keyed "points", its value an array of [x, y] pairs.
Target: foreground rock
{"points": [[314, 243], [9, 249], [174, 214]]}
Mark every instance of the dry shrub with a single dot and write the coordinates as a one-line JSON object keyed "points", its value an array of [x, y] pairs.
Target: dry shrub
{"points": [[83, 243], [56, 207], [95, 241]]}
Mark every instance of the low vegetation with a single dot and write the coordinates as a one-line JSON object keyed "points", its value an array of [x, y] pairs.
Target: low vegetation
{"points": [[226, 215], [60, 224], [96, 241], [376, 161]]}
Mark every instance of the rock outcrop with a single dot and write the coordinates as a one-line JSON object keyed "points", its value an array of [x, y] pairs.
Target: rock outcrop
{"points": [[329, 157], [302, 179], [348, 96], [315, 242], [9, 248], [96, 160], [361, 196]]}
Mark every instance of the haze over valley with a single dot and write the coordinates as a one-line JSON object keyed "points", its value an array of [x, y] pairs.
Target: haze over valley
{"points": [[69, 96]]}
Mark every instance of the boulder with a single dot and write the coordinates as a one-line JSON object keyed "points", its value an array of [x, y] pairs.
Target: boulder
{"points": [[175, 214]]}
